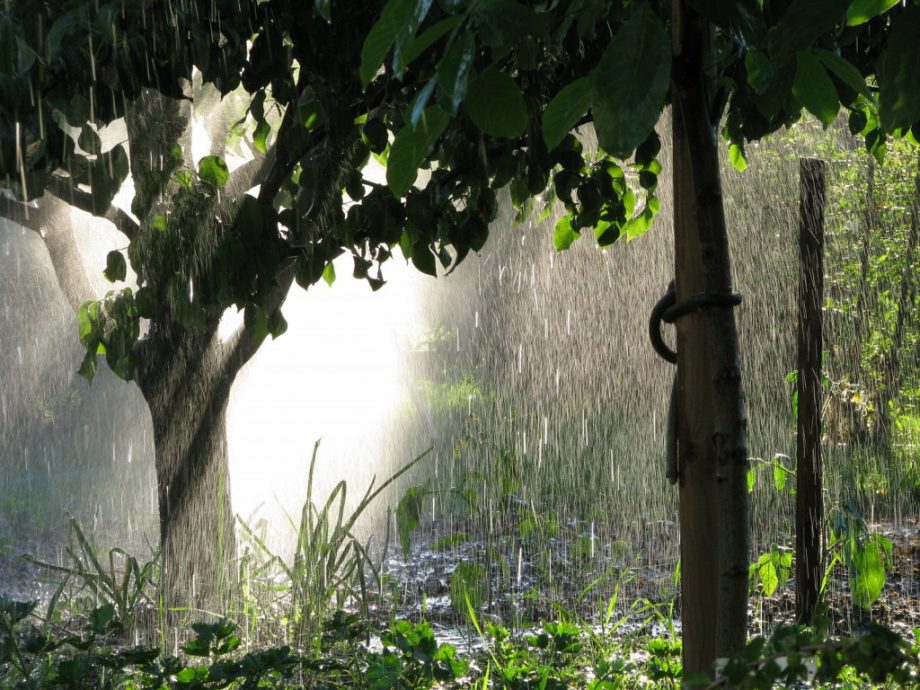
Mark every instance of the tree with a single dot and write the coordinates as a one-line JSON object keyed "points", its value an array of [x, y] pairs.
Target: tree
{"points": [[479, 96]]}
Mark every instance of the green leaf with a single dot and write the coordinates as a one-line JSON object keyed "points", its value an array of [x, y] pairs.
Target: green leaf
{"points": [[411, 146], [508, 21], [869, 570], [423, 259], [417, 13], [495, 104], [329, 274], [88, 366], [158, 223], [899, 74], [376, 135], [845, 71], [631, 83], [768, 578], [759, 70], [427, 38], [751, 478], [814, 88], [779, 476], [115, 267], [260, 135], [737, 157], [420, 102], [89, 140], [567, 107], [382, 36], [213, 169], [324, 7], [564, 234], [454, 70], [801, 25], [862, 11], [277, 324]]}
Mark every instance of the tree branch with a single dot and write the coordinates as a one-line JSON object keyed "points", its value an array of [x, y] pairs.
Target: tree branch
{"points": [[51, 222], [84, 201], [16, 211]]}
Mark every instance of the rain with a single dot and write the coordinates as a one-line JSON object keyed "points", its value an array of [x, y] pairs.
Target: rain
{"points": [[526, 373], [482, 453]]}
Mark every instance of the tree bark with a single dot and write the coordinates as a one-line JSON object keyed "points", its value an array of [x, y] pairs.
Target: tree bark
{"points": [[186, 380], [712, 425], [809, 503]]}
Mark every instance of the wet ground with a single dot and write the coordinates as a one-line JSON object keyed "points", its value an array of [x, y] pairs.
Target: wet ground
{"points": [[520, 577], [529, 582]]}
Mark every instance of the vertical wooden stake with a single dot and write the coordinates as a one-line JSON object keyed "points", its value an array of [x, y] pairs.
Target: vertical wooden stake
{"points": [[809, 505]]}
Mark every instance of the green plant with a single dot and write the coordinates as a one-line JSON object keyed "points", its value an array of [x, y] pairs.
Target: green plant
{"points": [[330, 565], [865, 554], [795, 654], [122, 581], [412, 659]]}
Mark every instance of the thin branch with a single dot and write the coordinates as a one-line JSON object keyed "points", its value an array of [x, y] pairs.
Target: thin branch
{"points": [[84, 201]]}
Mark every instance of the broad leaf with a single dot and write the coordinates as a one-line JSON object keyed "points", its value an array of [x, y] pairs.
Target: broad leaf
{"points": [[899, 73], [868, 579], [768, 578], [324, 7], [845, 71], [382, 36], [429, 37], [564, 234], [115, 267], [736, 157], [495, 104], [814, 88], [631, 83], [779, 477], [566, 108], [862, 11], [213, 169], [411, 146], [329, 274], [801, 25], [89, 141], [454, 71]]}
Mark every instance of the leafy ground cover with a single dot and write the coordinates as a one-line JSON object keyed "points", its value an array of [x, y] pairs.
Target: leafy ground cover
{"points": [[442, 615]]}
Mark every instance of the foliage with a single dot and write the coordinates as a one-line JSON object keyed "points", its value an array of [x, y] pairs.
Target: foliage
{"points": [[404, 71], [866, 555], [794, 654], [124, 583], [564, 653], [330, 567]]}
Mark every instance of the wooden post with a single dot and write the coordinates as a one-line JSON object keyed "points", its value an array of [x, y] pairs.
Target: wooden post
{"points": [[809, 505], [712, 422]]}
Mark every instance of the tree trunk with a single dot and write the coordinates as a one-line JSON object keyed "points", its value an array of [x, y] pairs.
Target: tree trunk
{"points": [[809, 503], [712, 424], [186, 382]]}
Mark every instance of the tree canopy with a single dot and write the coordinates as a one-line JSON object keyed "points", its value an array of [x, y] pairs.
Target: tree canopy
{"points": [[479, 95]]}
